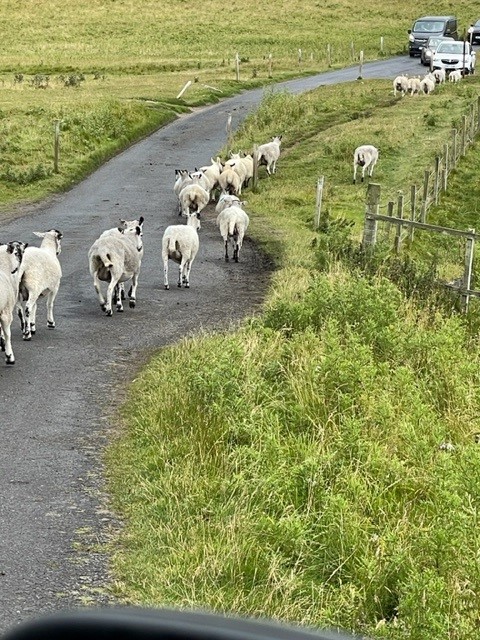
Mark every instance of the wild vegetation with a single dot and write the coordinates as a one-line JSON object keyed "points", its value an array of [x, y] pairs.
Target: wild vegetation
{"points": [[321, 463]]}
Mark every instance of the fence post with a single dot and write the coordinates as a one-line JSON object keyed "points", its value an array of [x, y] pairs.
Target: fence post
{"points": [[360, 77], [329, 55], [467, 276], [436, 183], [381, 44], [269, 65], [255, 168], [413, 206], [299, 56], [318, 204], [446, 168], [237, 67], [388, 225], [464, 135], [472, 123], [371, 209], [56, 146], [398, 234], [454, 148], [426, 178]]}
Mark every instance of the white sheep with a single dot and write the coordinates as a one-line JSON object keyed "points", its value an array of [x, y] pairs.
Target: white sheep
{"points": [[193, 199], [455, 76], [414, 85], [40, 273], [365, 156], [116, 258], [118, 231], [400, 84], [229, 181], [427, 84], [212, 173], [233, 222], [269, 153], [180, 243], [182, 179], [243, 165], [439, 75], [11, 255], [226, 200]]}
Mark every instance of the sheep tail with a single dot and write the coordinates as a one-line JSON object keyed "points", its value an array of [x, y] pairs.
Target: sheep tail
{"points": [[172, 245], [232, 228], [105, 258]]}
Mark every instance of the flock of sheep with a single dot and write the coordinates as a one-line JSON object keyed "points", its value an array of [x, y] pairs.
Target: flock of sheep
{"points": [[28, 272]]}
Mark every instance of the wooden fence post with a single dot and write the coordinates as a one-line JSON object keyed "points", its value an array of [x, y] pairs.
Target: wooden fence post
{"points": [[426, 178], [371, 209], [467, 276], [237, 67], [446, 167], [360, 77], [299, 56], [472, 123], [381, 44], [454, 148], [398, 234], [464, 135], [436, 181], [413, 206], [388, 225], [329, 55], [56, 146], [318, 204], [269, 65]]}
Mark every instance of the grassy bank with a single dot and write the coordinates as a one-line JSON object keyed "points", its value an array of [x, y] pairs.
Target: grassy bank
{"points": [[320, 465]]}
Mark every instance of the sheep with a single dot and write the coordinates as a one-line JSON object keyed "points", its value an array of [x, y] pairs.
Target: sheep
{"points": [[241, 165], [11, 255], [182, 179], [115, 259], [455, 76], [212, 172], [427, 84], [40, 273], [180, 243], [414, 85], [226, 200], [193, 199], [269, 153], [365, 156], [118, 231], [233, 222], [230, 182], [400, 84], [439, 75]]}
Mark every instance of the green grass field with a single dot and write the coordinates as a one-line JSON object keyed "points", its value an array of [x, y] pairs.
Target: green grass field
{"points": [[303, 475]]}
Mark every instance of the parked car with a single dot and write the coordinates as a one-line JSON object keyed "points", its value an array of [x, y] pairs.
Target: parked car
{"points": [[474, 32], [426, 54], [428, 26], [454, 55]]}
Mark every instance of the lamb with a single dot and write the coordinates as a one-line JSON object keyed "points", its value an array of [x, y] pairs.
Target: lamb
{"points": [[40, 273], [427, 84], [11, 256], [233, 222], [400, 84], [365, 156], [180, 243], [269, 153], [193, 199], [115, 259], [439, 75], [414, 85], [455, 76]]}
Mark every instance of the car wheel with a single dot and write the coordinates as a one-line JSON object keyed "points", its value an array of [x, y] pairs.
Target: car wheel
{"points": [[411, 54]]}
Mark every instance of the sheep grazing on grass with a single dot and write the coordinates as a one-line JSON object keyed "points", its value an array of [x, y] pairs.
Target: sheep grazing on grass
{"points": [[439, 75], [400, 84], [180, 243], [365, 156], [269, 153], [116, 258], [427, 84], [455, 76], [11, 256], [233, 222], [40, 273]]}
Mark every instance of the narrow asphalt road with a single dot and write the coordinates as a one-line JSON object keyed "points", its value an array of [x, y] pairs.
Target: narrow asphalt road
{"points": [[57, 401]]}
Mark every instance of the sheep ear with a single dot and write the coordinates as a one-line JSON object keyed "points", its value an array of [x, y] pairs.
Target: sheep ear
{"points": [[40, 234], [139, 231], [10, 247], [121, 229], [141, 220]]}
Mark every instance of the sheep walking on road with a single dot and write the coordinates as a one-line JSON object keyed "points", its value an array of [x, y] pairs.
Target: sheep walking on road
{"points": [[11, 256], [40, 273], [233, 222], [116, 258], [365, 156], [269, 153], [180, 243]]}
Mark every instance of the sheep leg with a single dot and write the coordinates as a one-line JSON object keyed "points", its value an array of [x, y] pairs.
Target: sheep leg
{"points": [[21, 315], [33, 318], [2, 339], [118, 298], [165, 273], [96, 284], [226, 250], [186, 274], [50, 300], [180, 272], [132, 293], [354, 173], [29, 326], [5, 324]]}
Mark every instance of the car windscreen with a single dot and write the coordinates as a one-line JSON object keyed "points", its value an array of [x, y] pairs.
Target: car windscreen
{"points": [[428, 26], [452, 47]]}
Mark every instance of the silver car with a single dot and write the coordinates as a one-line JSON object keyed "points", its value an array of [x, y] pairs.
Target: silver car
{"points": [[454, 55], [426, 53]]}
